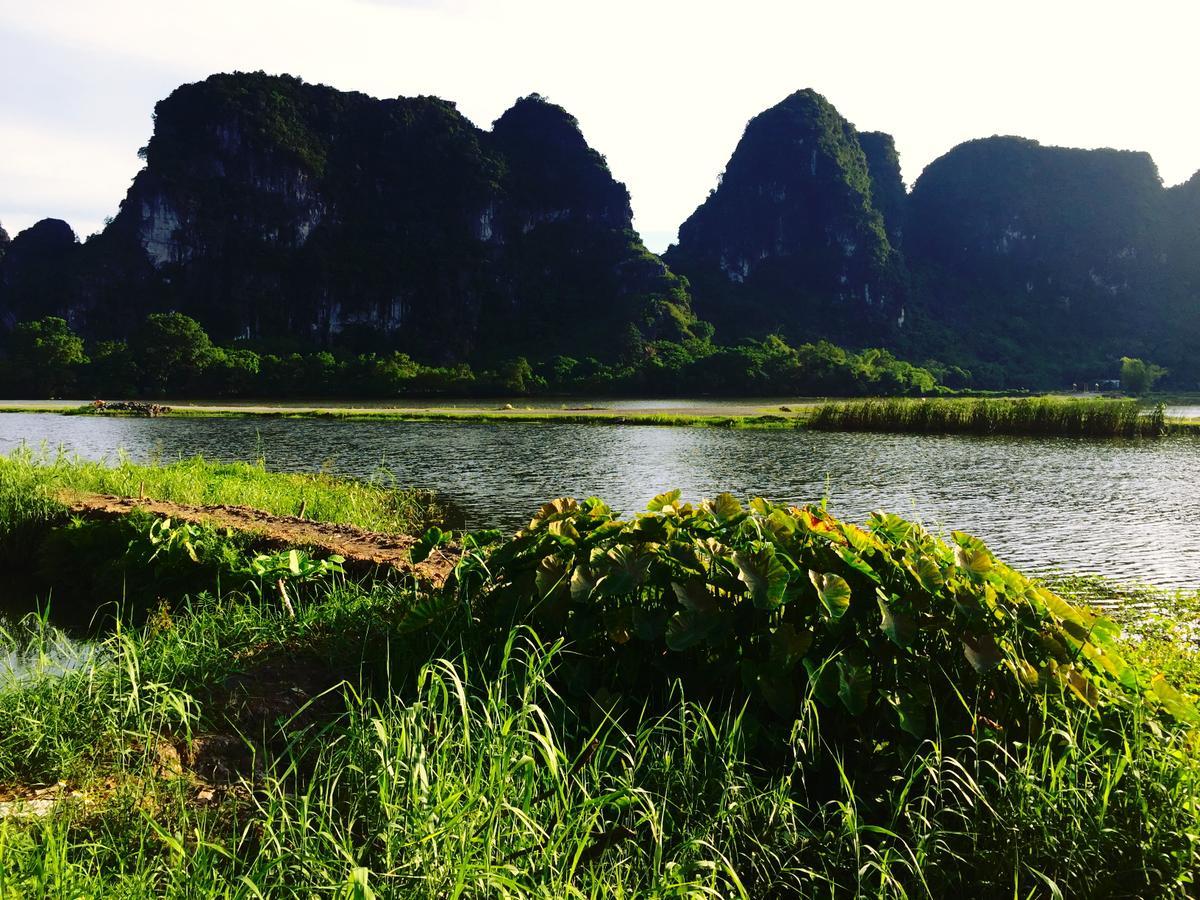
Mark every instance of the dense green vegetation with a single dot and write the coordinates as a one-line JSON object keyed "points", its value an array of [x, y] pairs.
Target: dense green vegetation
{"points": [[1012, 265], [1094, 417], [714, 700], [790, 238], [299, 215], [170, 355], [1139, 377], [31, 481]]}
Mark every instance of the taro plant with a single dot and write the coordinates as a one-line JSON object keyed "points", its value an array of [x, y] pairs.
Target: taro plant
{"points": [[287, 568], [885, 624]]}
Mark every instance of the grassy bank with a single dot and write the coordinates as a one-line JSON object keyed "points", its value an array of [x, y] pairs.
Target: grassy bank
{"points": [[32, 480], [1041, 416], [705, 701], [1028, 416]]}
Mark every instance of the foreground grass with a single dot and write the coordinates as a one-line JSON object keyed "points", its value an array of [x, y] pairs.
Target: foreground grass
{"points": [[32, 480], [469, 775], [1099, 417], [365, 739]]}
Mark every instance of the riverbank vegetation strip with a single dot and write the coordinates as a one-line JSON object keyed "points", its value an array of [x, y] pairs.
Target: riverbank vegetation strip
{"points": [[719, 700], [1034, 416], [1018, 416]]}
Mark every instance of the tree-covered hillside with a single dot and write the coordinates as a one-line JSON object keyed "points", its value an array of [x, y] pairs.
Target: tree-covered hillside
{"points": [[292, 218]]}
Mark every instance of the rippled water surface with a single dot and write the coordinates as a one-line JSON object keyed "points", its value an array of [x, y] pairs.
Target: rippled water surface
{"points": [[1127, 509]]}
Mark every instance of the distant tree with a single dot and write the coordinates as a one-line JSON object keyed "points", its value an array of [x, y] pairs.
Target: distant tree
{"points": [[232, 373], [45, 357], [112, 372], [171, 351], [516, 375], [633, 345], [1138, 377]]}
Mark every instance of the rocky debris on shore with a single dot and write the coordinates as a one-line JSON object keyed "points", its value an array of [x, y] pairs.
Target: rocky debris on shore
{"points": [[130, 407]]}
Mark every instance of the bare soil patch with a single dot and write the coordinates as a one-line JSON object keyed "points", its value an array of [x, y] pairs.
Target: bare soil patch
{"points": [[360, 547]]}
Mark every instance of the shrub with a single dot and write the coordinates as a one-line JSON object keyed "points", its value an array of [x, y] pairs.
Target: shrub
{"points": [[888, 625]]}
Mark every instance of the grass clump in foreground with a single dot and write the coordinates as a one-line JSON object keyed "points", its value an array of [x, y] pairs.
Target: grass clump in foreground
{"points": [[31, 482], [1098, 417], [713, 701]]}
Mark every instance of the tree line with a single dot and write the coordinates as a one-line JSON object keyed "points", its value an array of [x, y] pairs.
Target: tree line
{"points": [[171, 355]]}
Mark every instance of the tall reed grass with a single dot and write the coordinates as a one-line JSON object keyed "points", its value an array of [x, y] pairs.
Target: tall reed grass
{"points": [[376, 741], [471, 775], [1048, 416]]}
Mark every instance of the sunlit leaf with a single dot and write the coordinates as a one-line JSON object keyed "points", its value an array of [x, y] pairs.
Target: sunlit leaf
{"points": [[1109, 662], [833, 592], [929, 574], [726, 507], [425, 545], [974, 560], [763, 574], [551, 575], [910, 714], [664, 501], [563, 528], [856, 562], [553, 511], [582, 584], [859, 539], [761, 506], [1080, 685], [1173, 701]]}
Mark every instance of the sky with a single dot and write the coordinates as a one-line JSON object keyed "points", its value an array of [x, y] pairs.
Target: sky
{"points": [[663, 88]]}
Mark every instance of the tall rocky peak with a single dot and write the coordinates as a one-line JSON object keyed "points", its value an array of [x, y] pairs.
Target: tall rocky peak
{"points": [[888, 193], [999, 199], [33, 268], [551, 167], [275, 209], [792, 227], [1058, 253]]}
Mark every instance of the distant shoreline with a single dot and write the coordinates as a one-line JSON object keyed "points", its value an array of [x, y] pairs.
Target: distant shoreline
{"points": [[753, 413]]}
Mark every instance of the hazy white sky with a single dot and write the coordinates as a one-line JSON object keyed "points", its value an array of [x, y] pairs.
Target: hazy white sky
{"points": [[662, 87]]}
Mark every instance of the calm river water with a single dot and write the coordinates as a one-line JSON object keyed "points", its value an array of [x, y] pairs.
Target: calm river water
{"points": [[1126, 509]]}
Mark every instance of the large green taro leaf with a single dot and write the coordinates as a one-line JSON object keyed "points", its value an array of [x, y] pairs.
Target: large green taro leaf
{"points": [[833, 592], [763, 574]]}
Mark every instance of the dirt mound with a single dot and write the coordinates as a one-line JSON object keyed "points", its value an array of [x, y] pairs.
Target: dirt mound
{"points": [[361, 548]]}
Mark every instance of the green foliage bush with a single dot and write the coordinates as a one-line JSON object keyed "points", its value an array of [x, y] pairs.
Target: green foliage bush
{"points": [[44, 357], [1139, 377], [887, 625], [171, 355]]}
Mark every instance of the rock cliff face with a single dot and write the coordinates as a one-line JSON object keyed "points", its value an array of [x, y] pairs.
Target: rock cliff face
{"points": [[302, 216], [791, 235], [1032, 265], [35, 270], [271, 208], [888, 193], [1079, 255]]}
